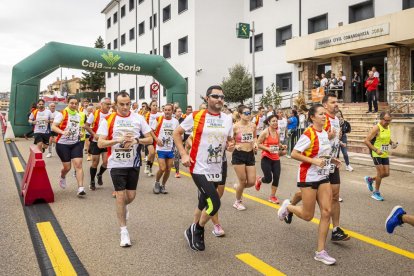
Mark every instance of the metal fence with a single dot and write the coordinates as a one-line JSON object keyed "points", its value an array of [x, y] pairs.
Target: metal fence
{"points": [[401, 103]]}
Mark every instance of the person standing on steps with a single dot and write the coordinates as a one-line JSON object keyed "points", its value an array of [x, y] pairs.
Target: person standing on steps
{"points": [[371, 85]]}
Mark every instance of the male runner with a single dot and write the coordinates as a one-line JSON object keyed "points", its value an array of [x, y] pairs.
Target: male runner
{"points": [[150, 118], [40, 118], [52, 141], [258, 120]]}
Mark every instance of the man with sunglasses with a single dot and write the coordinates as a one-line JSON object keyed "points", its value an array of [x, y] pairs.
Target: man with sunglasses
{"points": [[379, 142], [213, 130]]}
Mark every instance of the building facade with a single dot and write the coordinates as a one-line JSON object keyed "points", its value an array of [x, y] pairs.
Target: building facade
{"points": [[294, 40]]}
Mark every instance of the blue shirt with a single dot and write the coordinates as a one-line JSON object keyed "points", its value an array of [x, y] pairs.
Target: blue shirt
{"points": [[293, 123]]}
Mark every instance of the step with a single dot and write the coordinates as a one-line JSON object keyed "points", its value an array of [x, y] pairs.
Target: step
{"points": [[355, 142], [356, 136], [359, 149], [362, 120]]}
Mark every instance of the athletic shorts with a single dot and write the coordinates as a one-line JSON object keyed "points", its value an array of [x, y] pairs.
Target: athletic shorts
{"points": [[41, 137], [53, 134], [124, 178], [95, 150], [381, 161], [165, 154], [240, 157], [313, 185], [334, 177], [69, 152]]}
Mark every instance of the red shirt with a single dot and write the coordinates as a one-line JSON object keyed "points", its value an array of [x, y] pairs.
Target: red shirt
{"points": [[371, 86]]}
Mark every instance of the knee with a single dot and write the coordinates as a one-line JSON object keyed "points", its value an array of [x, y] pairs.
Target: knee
{"points": [[385, 174], [213, 205], [326, 213], [307, 216]]}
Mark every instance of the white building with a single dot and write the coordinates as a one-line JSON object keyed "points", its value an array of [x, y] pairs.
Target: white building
{"points": [[199, 39]]}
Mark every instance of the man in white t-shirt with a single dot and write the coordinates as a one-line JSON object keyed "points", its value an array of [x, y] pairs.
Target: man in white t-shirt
{"points": [[376, 75], [269, 110], [282, 126], [53, 112], [120, 133], [258, 120], [150, 117], [41, 118]]}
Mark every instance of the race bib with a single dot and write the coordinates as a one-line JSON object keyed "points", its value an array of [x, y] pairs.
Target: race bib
{"points": [[214, 177], [124, 155], [326, 170], [385, 148], [247, 137], [274, 149], [41, 124]]}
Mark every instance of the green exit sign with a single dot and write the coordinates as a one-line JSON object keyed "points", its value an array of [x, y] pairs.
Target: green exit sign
{"points": [[243, 30]]}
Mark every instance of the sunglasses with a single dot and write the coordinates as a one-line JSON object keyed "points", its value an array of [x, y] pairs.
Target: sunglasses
{"points": [[247, 113], [217, 96]]}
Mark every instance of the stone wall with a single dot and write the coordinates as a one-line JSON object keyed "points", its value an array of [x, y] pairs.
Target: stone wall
{"points": [[398, 66], [402, 131], [343, 64]]}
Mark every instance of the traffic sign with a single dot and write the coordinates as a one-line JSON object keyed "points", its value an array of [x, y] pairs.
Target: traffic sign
{"points": [[154, 87], [243, 30]]}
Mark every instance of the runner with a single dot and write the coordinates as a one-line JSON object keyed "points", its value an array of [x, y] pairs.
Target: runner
{"points": [[164, 127], [282, 127], [52, 139], [84, 106], [212, 130], [396, 218], [150, 118], [68, 146], [120, 133], [313, 150], [40, 118], [92, 126], [333, 128], [271, 149], [89, 110], [378, 141], [188, 111], [243, 159], [258, 120], [177, 157]]}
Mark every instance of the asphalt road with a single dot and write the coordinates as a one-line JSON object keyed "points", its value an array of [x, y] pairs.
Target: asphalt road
{"points": [[157, 223]]}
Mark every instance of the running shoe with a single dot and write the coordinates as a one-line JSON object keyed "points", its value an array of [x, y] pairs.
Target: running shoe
{"points": [[99, 178], [289, 218], [239, 205], [349, 168], [188, 234], [258, 183], [113, 194], [198, 238], [369, 182], [150, 172], [125, 240], [339, 235], [283, 211], [177, 175], [92, 186], [324, 258], [157, 188], [274, 200], [163, 190], [218, 231], [62, 182], [49, 155], [146, 169], [394, 219], [377, 196], [81, 192]]}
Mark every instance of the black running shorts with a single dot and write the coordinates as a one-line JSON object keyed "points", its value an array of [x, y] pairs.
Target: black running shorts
{"points": [[124, 178], [68, 152], [95, 150], [381, 161], [334, 177], [313, 185], [41, 137], [240, 157]]}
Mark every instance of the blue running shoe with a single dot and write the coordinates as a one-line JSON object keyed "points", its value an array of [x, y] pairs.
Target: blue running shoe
{"points": [[377, 196], [394, 219], [369, 182]]}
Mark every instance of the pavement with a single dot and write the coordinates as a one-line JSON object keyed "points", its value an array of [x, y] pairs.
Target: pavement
{"points": [[157, 224]]}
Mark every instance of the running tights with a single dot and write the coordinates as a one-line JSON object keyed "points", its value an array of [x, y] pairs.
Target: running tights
{"points": [[208, 197], [271, 170]]}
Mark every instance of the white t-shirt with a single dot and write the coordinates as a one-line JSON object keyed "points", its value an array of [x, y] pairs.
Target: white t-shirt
{"points": [[152, 118], [72, 126], [376, 74], [313, 144], [91, 119], [211, 132], [324, 82], [281, 129], [302, 119], [270, 113], [42, 121], [260, 124], [334, 124], [134, 124], [165, 133]]}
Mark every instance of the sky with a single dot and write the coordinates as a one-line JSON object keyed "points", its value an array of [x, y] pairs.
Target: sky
{"points": [[27, 25]]}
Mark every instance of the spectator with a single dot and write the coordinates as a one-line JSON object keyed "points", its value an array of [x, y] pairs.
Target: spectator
{"points": [[376, 75], [292, 127], [302, 122], [334, 81], [324, 82], [269, 110], [316, 82], [371, 84], [356, 81], [345, 128]]}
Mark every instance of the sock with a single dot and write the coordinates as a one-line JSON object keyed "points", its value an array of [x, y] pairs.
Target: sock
{"points": [[124, 228], [102, 169], [93, 173], [80, 189], [50, 149], [199, 227], [149, 163]]}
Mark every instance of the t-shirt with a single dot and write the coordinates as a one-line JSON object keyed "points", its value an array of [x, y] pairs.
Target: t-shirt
{"points": [[324, 82], [270, 113], [163, 130], [69, 121], [151, 118], [333, 122], [95, 123], [116, 126], [302, 119], [313, 144], [293, 123], [42, 119], [210, 134], [259, 122], [282, 125], [52, 117]]}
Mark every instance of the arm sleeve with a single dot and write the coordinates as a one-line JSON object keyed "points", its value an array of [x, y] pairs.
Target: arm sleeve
{"points": [[303, 143], [103, 128]]}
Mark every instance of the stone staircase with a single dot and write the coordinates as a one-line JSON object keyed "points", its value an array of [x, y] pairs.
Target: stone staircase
{"points": [[361, 123]]}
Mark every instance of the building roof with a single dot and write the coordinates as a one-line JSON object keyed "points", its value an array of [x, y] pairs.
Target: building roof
{"points": [[110, 5]]}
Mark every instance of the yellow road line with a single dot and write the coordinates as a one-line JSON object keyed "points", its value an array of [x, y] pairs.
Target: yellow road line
{"points": [[258, 264], [353, 234], [57, 255], [17, 165]]}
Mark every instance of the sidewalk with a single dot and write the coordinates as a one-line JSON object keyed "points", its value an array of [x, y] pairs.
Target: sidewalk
{"points": [[396, 163]]}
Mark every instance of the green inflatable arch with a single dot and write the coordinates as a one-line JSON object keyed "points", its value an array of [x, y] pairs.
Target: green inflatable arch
{"points": [[27, 74]]}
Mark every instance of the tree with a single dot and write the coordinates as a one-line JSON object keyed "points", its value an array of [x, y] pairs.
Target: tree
{"points": [[94, 80], [238, 86], [272, 96]]}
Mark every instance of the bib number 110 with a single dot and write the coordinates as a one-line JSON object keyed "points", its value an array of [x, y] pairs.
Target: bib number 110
{"points": [[214, 177]]}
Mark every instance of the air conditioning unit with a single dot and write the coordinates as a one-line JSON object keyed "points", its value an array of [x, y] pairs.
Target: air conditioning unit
{"points": [[299, 66]]}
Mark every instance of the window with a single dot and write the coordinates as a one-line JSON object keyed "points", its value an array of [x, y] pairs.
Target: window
{"points": [[408, 4], [318, 23], [258, 43], [108, 23], [154, 20], [108, 46], [164, 92], [155, 52], [123, 39], [132, 34], [166, 13], [284, 82], [116, 43], [183, 45], [258, 83], [131, 5], [283, 34], [132, 93], [115, 17], [361, 11], [140, 1], [182, 6], [141, 28], [166, 50], [109, 75], [123, 11], [254, 4], [141, 91]]}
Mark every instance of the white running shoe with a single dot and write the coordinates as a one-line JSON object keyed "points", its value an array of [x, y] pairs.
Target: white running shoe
{"points": [[283, 211], [125, 240], [324, 258], [349, 168], [62, 182], [49, 155], [150, 172], [218, 231], [146, 169], [239, 205]]}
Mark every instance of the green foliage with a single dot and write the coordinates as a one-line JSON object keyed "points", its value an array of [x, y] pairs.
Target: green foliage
{"points": [[238, 86], [272, 96], [92, 79]]}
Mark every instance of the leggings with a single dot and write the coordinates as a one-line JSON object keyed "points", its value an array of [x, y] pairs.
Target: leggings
{"points": [[208, 197], [270, 167], [176, 160]]}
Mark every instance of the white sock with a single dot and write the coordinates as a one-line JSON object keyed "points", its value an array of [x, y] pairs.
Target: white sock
{"points": [[124, 228], [80, 189]]}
